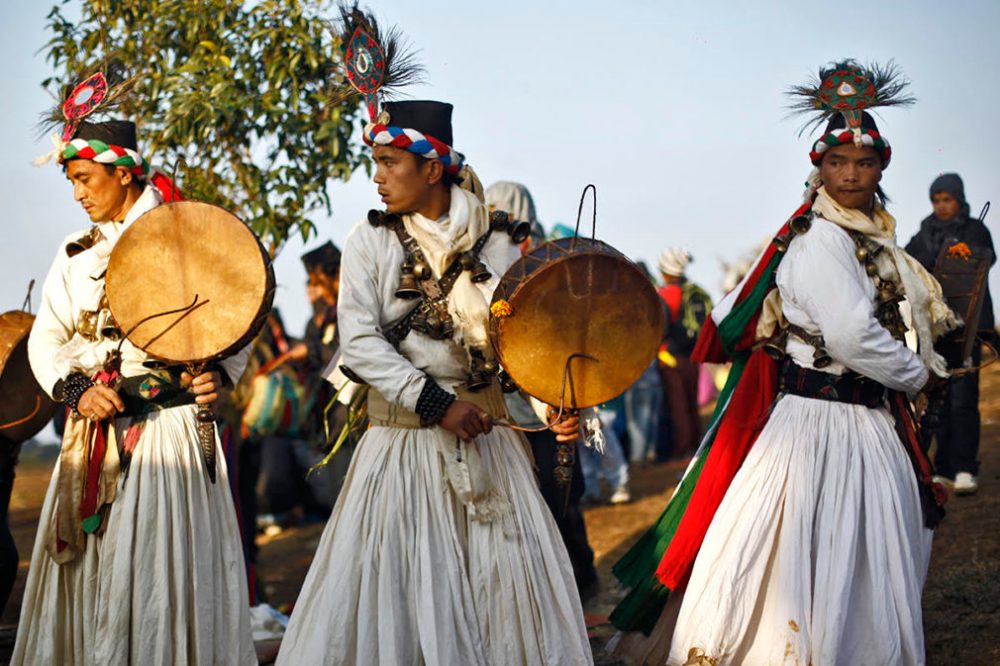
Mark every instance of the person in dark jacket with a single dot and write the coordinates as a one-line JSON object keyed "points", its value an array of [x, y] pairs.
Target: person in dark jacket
{"points": [[957, 428]]}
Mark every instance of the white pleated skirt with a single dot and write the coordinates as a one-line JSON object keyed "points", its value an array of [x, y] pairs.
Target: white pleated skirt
{"points": [[818, 552], [165, 584], [404, 577]]}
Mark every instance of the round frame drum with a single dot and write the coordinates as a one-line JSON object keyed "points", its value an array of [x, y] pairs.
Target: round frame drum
{"points": [[580, 299], [204, 267], [24, 407]]}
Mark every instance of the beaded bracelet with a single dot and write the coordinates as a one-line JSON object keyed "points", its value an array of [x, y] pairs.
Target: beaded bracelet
{"points": [[69, 391], [433, 402]]}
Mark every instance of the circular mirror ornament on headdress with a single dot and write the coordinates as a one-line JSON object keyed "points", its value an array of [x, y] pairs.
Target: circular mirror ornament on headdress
{"points": [[849, 93], [365, 64], [82, 101]]}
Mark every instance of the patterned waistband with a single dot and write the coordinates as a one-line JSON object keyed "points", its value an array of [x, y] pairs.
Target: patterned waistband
{"points": [[381, 412], [152, 392], [849, 387]]}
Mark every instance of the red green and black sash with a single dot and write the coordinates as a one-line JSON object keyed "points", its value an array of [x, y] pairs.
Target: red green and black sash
{"points": [[661, 561]]}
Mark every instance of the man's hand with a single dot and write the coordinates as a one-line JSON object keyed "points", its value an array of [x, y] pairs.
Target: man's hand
{"points": [[99, 402], [466, 420], [205, 386], [568, 429], [933, 384]]}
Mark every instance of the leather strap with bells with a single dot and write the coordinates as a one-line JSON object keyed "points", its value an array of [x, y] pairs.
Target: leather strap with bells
{"points": [[430, 316]]}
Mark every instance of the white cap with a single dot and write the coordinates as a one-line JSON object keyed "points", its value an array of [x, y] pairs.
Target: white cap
{"points": [[674, 260]]}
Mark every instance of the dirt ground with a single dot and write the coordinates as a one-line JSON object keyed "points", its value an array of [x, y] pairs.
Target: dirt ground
{"points": [[961, 596]]}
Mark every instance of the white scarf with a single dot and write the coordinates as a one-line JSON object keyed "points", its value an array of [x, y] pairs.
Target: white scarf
{"points": [[442, 241], [931, 315]]}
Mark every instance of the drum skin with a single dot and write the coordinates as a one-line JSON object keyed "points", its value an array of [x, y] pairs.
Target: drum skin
{"points": [[576, 296], [179, 251], [24, 407]]}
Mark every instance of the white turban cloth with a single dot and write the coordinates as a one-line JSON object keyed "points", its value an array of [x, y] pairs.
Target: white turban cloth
{"points": [[674, 260]]}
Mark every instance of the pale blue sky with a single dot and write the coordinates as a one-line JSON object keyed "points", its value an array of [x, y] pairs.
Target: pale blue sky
{"points": [[673, 109]]}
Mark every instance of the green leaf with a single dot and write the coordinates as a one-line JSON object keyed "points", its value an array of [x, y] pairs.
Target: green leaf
{"points": [[236, 89]]}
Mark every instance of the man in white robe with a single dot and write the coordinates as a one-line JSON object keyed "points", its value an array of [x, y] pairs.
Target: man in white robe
{"points": [[817, 545], [138, 557], [440, 549]]}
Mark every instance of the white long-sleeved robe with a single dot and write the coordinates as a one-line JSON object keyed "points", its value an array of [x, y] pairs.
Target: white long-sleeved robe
{"points": [[818, 552], [165, 584], [403, 573]]}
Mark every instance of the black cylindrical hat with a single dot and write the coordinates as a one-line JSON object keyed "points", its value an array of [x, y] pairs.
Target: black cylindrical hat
{"points": [[325, 258], [425, 116], [112, 132]]}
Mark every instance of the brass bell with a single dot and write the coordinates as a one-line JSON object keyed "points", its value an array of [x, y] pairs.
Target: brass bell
{"points": [[478, 381], [519, 232], [490, 366], [408, 288], [821, 358], [507, 384], [499, 219], [107, 326], [861, 253], [800, 224], [421, 270], [871, 269], [447, 327], [480, 273], [467, 261], [781, 242], [775, 346], [885, 293]]}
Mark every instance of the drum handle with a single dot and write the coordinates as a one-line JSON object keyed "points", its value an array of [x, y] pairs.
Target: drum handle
{"points": [[579, 212], [26, 306], [206, 417], [513, 426], [954, 374], [562, 400], [206, 428]]}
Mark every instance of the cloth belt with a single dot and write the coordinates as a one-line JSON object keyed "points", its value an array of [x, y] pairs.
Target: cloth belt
{"points": [[381, 412], [849, 387], [857, 390], [148, 393]]}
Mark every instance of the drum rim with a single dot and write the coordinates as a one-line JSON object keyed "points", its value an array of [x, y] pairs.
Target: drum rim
{"points": [[6, 351]]}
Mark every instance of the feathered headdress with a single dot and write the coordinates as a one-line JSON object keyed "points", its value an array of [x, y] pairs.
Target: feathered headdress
{"points": [[848, 88], [378, 62], [840, 96], [101, 90]]}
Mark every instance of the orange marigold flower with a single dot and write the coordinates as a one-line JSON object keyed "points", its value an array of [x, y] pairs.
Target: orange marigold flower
{"points": [[960, 251], [501, 309]]}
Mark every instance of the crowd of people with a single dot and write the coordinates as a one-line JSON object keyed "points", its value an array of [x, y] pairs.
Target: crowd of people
{"points": [[453, 538]]}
